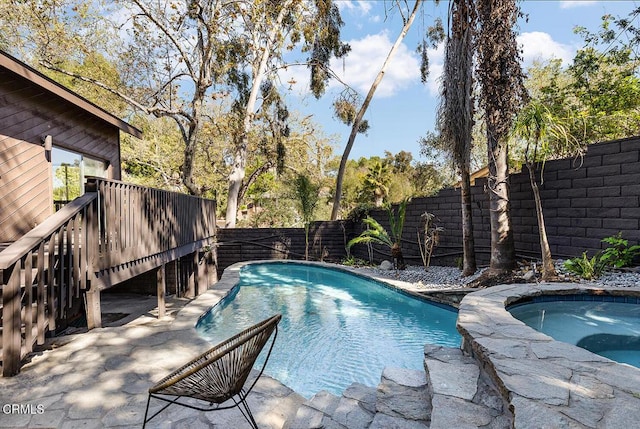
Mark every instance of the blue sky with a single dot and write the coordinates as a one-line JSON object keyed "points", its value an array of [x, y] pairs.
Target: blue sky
{"points": [[403, 108]]}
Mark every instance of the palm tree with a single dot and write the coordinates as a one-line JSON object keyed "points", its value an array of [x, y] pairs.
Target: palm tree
{"points": [[376, 180], [535, 123], [455, 112], [502, 93], [307, 195], [375, 233]]}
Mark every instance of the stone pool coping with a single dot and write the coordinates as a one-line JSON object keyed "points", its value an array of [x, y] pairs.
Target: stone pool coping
{"points": [[547, 383]]}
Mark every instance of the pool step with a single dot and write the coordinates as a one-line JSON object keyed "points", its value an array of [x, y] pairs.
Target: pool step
{"points": [[460, 395], [450, 393], [400, 401]]}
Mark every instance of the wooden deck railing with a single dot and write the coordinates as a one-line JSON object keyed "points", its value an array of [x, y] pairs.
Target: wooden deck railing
{"points": [[110, 234], [43, 274], [139, 228]]}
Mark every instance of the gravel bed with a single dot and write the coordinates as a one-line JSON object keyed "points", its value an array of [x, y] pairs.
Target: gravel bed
{"points": [[438, 277]]}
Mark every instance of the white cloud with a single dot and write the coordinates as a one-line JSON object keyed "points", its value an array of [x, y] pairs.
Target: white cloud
{"points": [[537, 45], [570, 4], [361, 6], [367, 55]]}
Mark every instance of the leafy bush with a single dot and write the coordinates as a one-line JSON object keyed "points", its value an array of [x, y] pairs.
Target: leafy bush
{"points": [[375, 233], [619, 254], [585, 267]]}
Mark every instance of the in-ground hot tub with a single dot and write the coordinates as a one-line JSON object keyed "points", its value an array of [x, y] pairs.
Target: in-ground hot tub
{"points": [[603, 324], [546, 382]]}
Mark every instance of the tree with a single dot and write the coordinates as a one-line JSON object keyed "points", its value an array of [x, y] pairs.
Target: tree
{"points": [[155, 160], [357, 120], [307, 196], [501, 95], [376, 181], [533, 123], [319, 26], [455, 113], [66, 184], [180, 57], [35, 29]]}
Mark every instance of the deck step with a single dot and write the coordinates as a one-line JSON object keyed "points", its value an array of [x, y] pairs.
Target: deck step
{"points": [[460, 396]]}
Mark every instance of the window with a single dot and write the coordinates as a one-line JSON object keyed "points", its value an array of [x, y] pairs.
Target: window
{"points": [[69, 171]]}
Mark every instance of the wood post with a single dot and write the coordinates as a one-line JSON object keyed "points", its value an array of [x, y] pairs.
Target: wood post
{"points": [[201, 270], [161, 290], [193, 275], [171, 278], [92, 305], [11, 335]]}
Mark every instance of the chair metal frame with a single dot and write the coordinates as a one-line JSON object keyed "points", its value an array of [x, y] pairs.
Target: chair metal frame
{"points": [[219, 374]]}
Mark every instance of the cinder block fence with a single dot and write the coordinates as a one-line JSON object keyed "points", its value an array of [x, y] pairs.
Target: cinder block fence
{"points": [[585, 199]]}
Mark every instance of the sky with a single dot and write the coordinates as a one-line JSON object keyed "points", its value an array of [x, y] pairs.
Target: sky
{"points": [[403, 108]]}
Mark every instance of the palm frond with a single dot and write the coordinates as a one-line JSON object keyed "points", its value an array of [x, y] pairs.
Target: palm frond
{"points": [[397, 221], [374, 234]]}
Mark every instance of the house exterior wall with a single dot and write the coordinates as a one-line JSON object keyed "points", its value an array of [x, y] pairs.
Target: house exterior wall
{"points": [[25, 187], [27, 114]]}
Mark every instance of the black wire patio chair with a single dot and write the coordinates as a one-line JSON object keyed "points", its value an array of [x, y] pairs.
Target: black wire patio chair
{"points": [[218, 376]]}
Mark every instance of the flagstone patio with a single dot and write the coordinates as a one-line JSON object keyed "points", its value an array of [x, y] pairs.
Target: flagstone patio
{"points": [[507, 375]]}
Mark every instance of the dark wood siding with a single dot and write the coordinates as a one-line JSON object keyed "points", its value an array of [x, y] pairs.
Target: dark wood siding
{"points": [[27, 114], [25, 196]]}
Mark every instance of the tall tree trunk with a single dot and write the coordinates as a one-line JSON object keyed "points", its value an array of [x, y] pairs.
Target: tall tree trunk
{"points": [[468, 244], [190, 137], [548, 267], [365, 105], [503, 253], [236, 178], [502, 93], [240, 155], [306, 241], [455, 113]]}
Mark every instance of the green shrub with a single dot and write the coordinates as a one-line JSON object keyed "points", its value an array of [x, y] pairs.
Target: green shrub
{"points": [[619, 254], [352, 261], [585, 267]]}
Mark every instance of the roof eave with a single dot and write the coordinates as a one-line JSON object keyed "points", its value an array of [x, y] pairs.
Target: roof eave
{"points": [[48, 84]]}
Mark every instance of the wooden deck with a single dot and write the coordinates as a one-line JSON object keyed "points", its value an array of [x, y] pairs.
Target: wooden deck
{"points": [[114, 232]]}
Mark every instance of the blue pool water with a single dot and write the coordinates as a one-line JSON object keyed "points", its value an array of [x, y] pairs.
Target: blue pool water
{"points": [[337, 328], [610, 329]]}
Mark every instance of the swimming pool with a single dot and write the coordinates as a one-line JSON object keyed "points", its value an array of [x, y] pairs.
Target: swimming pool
{"points": [[337, 328], [606, 325]]}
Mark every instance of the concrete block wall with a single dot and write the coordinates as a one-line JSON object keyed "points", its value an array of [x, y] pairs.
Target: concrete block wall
{"points": [[326, 242], [584, 200]]}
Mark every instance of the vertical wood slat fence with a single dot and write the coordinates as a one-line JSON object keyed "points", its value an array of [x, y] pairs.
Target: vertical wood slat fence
{"points": [[90, 244]]}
